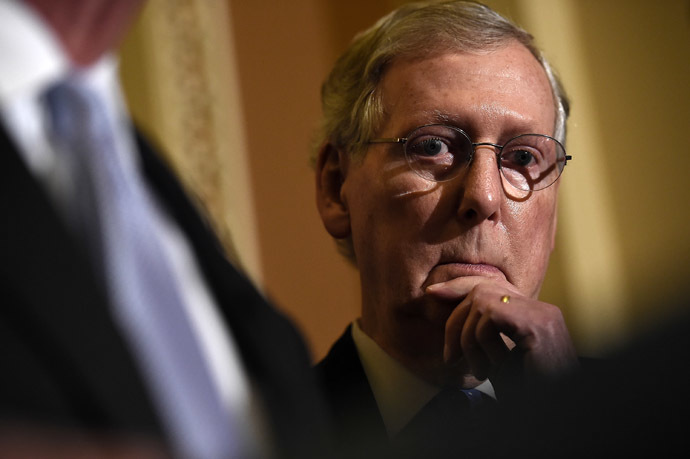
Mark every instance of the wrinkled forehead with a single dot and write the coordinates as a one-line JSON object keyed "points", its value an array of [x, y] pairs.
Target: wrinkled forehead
{"points": [[508, 83]]}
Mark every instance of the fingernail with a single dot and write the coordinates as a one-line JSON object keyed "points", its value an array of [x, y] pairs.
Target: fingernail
{"points": [[434, 287], [438, 288]]}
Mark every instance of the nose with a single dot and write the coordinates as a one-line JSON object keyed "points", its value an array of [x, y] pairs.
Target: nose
{"points": [[480, 198]]}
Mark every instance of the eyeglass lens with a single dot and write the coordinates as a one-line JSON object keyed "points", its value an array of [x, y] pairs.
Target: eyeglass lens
{"points": [[528, 162]]}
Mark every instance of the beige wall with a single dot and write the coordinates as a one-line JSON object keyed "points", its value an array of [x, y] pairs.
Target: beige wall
{"points": [[624, 225]]}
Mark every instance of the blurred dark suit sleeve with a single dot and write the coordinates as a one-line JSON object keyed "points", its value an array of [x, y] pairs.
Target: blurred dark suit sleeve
{"points": [[632, 403]]}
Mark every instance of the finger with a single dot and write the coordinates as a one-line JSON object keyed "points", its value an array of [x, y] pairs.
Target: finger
{"points": [[482, 343], [491, 341], [539, 332], [452, 349], [454, 289], [472, 350]]}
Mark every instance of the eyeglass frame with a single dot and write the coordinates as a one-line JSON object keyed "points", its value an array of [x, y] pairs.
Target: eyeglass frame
{"points": [[403, 141]]}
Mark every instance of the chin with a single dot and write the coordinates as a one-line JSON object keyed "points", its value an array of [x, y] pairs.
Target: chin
{"points": [[436, 312]]}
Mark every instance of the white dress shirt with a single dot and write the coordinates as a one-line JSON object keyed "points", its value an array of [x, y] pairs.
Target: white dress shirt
{"points": [[399, 393]]}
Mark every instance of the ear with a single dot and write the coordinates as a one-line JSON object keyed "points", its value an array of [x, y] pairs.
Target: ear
{"points": [[330, 175]]}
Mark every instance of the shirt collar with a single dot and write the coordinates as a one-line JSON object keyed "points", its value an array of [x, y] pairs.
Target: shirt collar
{"points": [[31, 60], [32, 56], [399, 393]]}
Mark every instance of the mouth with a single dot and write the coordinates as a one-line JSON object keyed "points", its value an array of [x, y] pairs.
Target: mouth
{"points": [[444, 272]]}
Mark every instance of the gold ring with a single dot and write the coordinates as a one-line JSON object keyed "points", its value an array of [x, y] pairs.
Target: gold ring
{"points": [[505, 299]]}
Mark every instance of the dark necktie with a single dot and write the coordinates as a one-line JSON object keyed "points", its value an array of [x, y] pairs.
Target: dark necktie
{"points": [[115, 210], [452, 424]]}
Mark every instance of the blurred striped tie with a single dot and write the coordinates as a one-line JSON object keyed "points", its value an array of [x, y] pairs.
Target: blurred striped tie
{"points": [[114, 205]]}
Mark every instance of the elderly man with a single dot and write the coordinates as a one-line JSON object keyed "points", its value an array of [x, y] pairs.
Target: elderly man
{"points": [[437, 173]]}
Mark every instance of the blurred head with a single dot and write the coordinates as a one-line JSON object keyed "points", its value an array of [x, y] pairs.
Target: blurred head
{"points": [[458, 64], [87, 29]]}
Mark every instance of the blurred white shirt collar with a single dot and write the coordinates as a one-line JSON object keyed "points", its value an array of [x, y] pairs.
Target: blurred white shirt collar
{"points": [[32, 57]]}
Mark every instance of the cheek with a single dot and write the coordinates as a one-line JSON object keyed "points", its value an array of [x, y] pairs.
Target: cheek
{"points": [[391, 199], [392, 221], [398, 181], [389, 225], [530, 232], [534, 217]]}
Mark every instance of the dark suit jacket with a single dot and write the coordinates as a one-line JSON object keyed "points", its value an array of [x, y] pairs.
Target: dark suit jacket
{"points": [[61, 357], [633, 403], [356, 417], [517, 425], [359, 427]]}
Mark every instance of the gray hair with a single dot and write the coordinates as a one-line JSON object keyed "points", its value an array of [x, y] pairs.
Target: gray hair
{"points": [[351, 101]]}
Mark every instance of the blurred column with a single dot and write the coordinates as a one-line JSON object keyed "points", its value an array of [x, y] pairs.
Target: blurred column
{"points": [[180, 76]]}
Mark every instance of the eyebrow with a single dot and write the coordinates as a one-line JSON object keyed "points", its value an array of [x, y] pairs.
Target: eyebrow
{"points": [[518, 126], [439, 117], [450, 119]]}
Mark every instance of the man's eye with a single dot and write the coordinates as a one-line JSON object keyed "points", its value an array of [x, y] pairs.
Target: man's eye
{"points": [[429, 147], [519, 158]]}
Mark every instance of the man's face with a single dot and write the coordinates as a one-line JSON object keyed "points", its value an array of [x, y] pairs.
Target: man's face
{"points": [[409, 233]]}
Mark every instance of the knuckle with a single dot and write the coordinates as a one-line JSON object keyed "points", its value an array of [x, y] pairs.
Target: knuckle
{"points": [[482, 297]]}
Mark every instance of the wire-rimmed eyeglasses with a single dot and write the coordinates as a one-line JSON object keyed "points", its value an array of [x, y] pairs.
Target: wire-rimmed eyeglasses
{"points": [[438, 153]]}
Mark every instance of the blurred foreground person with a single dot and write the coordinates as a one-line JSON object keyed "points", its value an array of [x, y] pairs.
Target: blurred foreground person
{"points": [[123, 328]]}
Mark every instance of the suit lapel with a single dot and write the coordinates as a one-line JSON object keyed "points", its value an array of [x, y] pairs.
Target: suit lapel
{"points": [[357, 418], [63, 305]]}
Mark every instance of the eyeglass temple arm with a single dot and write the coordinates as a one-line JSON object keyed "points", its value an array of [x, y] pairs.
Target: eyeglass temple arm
{"points": [[389, 140]]}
